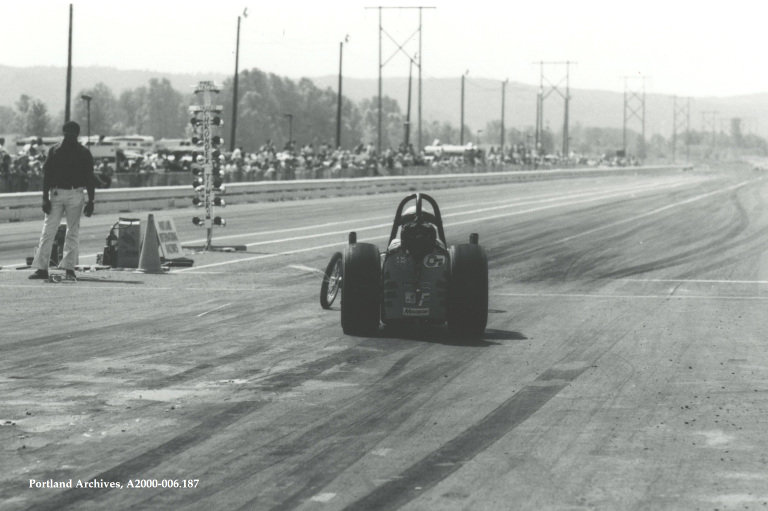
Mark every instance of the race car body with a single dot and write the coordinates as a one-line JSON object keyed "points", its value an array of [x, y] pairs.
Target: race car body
{"points": [[416, 267], [416, 280]]}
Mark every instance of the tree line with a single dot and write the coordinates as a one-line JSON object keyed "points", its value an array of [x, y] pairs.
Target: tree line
{"points": [[273, 108], [265, 101]]}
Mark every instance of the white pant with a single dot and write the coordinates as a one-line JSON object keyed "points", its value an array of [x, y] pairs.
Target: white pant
{"points": [[70, 202]]}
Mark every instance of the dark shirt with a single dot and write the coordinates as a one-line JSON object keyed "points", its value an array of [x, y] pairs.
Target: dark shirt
{"points": [[69, 165]]}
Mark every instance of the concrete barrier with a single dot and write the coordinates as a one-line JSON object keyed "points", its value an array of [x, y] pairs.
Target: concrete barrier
{"points": [[16, 207]]}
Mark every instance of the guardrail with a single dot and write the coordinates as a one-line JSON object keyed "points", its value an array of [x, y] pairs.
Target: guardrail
{"points": [[15, 207]]}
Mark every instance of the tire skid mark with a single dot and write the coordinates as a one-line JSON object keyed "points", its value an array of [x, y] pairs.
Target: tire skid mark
{"points": [[358, 429], [204, 431], [341, 449], [399, 366], [201, 369], [160, 454], [449, 458], [531, 236], [354, 355], [37, 342], [444, 461], [716, 246]]}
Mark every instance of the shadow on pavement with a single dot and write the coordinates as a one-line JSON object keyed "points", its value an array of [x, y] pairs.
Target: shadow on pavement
{"points": [[108, 281], [441, 335]]}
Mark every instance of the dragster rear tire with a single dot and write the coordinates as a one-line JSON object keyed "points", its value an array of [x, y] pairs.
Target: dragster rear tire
{"points": [[468, 290], [360, 294]]}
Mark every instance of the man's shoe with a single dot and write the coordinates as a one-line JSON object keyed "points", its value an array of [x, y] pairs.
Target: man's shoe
{"points": [[70, 275], [39, 275]]}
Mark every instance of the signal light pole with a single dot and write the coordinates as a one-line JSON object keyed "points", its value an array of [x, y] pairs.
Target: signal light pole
{"points": [[208, 164]]}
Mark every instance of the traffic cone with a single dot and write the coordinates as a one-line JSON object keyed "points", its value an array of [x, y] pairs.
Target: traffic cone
{"points": [[149, 261]]}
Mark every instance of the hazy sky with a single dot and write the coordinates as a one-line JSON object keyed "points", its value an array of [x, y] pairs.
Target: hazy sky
{"points": [[712, 48]]}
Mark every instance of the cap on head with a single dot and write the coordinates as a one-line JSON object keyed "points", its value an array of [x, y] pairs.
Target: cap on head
{"points": [[71, 128]]}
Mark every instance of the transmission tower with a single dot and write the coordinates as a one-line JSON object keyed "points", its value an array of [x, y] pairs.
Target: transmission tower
{"points": [[681, 121], [544, 92], [418, 61], [708, 123], [634, 108]]}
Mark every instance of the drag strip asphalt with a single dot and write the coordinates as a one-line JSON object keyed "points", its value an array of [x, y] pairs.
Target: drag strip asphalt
{"points": [[623, 365]]}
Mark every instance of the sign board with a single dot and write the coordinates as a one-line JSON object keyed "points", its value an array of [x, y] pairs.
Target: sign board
{"points": [[170, 246], [207, 86]]}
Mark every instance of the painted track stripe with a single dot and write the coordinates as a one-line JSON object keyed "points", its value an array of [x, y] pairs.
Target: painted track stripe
{"points": [[388, 225], [695, 281], [637, 217], [626, 297], [536, 199], [473, 220], [214, 309]]}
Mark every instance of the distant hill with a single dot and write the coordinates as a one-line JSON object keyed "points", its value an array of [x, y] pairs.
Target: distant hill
{"points": [[441, 98], [49, 83]]}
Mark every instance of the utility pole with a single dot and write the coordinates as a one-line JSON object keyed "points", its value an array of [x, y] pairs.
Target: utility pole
{"points": [[290, 130], [542, 95], [67, 111], [421, 144], [503, 98], [461, 124], [234, 92], [338, 102], [400, 48], [408, 110], [681, 119], [539, 110], [87, 99], [566, 100]]}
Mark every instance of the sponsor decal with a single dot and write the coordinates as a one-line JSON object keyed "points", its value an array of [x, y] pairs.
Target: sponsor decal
{"points": [[401, 261], [434, 260], [420, 298], [412, 311]]}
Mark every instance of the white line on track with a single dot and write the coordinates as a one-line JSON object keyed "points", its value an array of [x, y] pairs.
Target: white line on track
{"points": [[483, 219], [90, 289], [632, 297], [593, 196], [533, 199], [504, 203], [637, 217], [214, 309], [696, 281], [305, 268]]}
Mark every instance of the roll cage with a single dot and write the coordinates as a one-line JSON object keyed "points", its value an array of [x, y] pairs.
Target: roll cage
{"points": [[420, 216]]}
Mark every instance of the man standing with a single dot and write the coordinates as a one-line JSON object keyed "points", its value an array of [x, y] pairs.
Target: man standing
{"points": [[66, 172]]}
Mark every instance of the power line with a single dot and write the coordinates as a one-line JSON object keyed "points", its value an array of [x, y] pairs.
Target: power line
{"points": [[634, 108], [400, 49], [546, 92]]}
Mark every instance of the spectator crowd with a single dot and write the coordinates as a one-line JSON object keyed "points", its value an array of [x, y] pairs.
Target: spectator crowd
{"points": [[23, 171]]}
